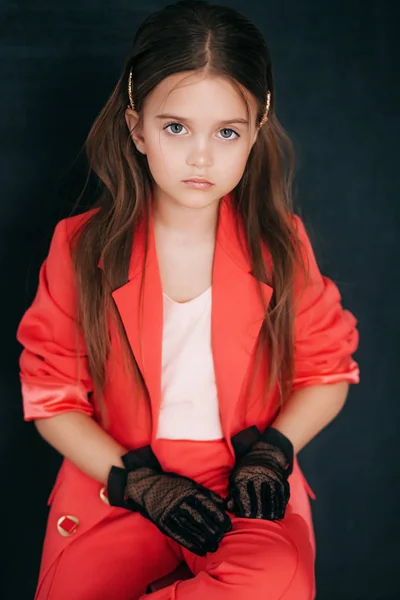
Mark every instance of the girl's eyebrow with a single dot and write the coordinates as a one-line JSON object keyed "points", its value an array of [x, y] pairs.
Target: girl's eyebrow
{"points": [[176, 118]]}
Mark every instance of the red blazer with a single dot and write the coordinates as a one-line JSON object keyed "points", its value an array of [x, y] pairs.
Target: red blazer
{"points": [[325, 338]]}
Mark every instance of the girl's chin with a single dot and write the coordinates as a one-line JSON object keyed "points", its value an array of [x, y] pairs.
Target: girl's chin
{"points": [[189, 197]]}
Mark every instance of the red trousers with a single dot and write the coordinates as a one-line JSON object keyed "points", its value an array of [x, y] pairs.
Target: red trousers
{"points": [[121, 555]]}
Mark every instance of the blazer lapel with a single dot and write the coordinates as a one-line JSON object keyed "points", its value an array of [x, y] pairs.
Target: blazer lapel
{"points": [[143, 317], [237, 313]]}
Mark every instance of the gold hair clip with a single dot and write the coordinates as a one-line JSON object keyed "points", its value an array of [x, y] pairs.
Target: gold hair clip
{"points": [[130, 91], [264, 118]]}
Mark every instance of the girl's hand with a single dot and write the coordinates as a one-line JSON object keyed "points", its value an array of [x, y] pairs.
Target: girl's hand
{"points": [[258, 485], [182, 509]]}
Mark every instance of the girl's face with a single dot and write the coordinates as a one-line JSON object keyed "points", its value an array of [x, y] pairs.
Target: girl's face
{"points": [[198, 129]]}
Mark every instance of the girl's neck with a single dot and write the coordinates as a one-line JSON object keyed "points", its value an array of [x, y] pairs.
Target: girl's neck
{"points": [[184, 222]]}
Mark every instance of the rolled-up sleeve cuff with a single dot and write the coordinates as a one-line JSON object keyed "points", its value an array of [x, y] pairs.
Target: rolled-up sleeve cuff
{"points": [[43, 399]]}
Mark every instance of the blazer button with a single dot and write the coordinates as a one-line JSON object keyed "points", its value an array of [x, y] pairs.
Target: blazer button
{"points": [[67, 525], [103, 495]]}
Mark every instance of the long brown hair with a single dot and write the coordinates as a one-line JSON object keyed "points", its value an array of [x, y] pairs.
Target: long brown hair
{"points": [[188, 36]]}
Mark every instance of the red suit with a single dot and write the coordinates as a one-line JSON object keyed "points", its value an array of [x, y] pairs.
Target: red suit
{"points": [[114, 553]]}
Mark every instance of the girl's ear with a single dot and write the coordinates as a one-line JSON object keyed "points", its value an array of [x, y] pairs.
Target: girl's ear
{"points": [[133, 122]]}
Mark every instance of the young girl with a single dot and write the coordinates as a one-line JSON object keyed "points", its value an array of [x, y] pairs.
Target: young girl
{"points": [[183, 345]]}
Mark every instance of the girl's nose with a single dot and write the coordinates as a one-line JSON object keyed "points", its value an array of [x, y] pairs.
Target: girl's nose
{"points": [[200, 156]]}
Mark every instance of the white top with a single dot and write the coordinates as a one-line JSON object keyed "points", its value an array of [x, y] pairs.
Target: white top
{"points": [[189, 405]]}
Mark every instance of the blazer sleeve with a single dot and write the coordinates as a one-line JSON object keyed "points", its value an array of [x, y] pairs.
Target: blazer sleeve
{"points": [[325, 333], [53, 364]]}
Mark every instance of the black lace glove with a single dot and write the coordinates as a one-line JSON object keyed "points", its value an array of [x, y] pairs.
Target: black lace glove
{"points": [[258, 486], [182, 509]]}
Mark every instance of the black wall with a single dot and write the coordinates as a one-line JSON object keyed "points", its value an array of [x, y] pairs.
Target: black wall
{"points": [[336, 72]]}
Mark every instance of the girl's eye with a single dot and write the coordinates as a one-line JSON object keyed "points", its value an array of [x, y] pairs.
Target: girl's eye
{"points": [[174, 125], [230, 131], [176, 129]]}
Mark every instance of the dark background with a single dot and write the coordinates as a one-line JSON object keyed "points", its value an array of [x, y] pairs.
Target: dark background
{"points": [[336, 66]]}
